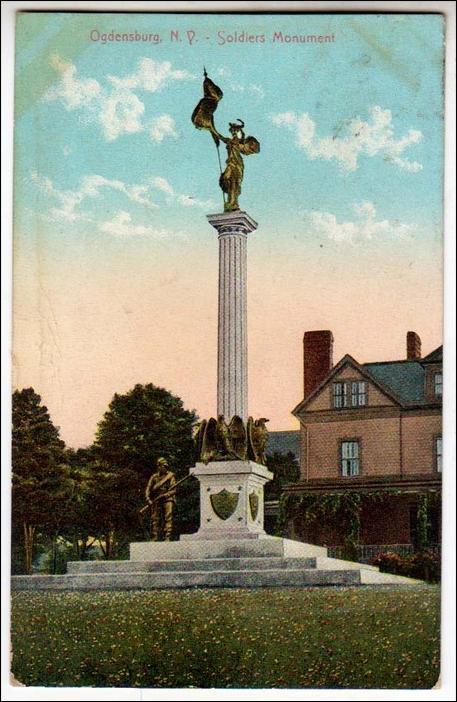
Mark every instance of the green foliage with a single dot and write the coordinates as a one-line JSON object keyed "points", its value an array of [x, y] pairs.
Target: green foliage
{"points": [[93, 496], [343, 508], [141, 426], [424, 565], [287, 511], [37, 471], [285, 469], [37, 454], [187, 514], [423, 523], [56, 554], [232, 638]]}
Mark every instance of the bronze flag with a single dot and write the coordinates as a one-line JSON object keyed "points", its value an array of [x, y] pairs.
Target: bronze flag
{"points": [[202, 116]]}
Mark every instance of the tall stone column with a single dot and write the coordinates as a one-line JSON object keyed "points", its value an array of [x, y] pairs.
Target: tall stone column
{"points": [[231, 491], [232, 383]]}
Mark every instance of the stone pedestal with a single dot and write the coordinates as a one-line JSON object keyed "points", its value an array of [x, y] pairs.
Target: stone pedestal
{"points": [[231, 500], [232, 382]]}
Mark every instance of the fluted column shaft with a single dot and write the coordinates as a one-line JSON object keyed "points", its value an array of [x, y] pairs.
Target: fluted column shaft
{"points": [[232, 383]]}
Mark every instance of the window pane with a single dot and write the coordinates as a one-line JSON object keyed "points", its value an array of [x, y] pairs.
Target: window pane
{"points": [[349, 458], [358, 392], [438, 381], [354, 392], [337, 395], [439, 454], [362, 393]]}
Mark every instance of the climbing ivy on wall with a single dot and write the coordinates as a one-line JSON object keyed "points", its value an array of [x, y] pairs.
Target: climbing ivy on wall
{"points": [[346, 509]]}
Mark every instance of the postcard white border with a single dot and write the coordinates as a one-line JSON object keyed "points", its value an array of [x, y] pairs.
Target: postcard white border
{"points": [[446, 690]]}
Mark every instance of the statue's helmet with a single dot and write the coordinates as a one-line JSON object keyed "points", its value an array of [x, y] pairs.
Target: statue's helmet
{"points": [[162, 462], [236, 128]]}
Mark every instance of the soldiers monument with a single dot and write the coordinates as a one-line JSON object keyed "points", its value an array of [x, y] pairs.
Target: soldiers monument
{"points": [[230, 548]]}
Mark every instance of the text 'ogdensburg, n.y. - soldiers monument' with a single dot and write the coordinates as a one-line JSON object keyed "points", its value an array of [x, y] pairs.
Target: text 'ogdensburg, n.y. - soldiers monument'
{"points": [[230, 547]]}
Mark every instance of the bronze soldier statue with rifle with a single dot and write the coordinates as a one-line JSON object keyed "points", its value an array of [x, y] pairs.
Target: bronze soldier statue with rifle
{"points": [[161, 499]]}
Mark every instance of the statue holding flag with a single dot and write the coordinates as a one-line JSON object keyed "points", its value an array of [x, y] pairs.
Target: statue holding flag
{"points": [[237, 144]]}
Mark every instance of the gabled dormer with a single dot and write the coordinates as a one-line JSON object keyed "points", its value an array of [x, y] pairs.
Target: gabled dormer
{"points": [[347, 387], [433, 367]]}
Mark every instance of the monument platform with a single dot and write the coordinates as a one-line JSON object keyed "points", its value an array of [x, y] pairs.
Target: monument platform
{"points": [[267, 561]]}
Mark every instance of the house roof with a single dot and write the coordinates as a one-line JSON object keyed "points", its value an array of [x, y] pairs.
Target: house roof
{"points": [[284, 442], [402, 381], [435, 356], [405, 378]]}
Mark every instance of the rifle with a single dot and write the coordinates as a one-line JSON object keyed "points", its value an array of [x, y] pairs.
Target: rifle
{"points": [[160, 497]]}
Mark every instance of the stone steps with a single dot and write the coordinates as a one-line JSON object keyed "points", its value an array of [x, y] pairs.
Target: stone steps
{"points": [[197, 549], [276, 577], [264, 562], [182, 565]]}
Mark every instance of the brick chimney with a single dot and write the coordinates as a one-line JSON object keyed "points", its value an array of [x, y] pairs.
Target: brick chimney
{"points": [[413, 346], [317, 358]]}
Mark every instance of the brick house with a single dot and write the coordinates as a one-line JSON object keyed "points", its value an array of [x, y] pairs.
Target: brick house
{"points": [[371, 429]]}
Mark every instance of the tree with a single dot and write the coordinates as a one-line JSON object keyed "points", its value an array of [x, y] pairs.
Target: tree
{"points": [[142, 425], [285, 469], [71, 519], [139, 427], [37, 464]]}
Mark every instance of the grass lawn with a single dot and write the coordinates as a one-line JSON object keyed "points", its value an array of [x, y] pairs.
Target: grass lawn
{"points": [[331, 637]]}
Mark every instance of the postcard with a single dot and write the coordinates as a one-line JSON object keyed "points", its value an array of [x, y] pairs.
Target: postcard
{"points": [[227, 445]]}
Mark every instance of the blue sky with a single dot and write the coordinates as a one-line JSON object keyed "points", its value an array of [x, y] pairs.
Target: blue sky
{"points": [[111, 176], [374, 62]]}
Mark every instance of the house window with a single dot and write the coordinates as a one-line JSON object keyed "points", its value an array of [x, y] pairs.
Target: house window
{"points": [[438, 384], [350, 458], [350, 394], [359, 394], [439, 453], [340, 395]]}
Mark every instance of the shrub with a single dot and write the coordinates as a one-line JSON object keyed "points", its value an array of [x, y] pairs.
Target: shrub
{"points": [[425, 565]]}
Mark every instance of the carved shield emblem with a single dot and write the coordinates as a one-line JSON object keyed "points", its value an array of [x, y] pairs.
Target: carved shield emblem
{"points": [[254, 505], [224, 503]]}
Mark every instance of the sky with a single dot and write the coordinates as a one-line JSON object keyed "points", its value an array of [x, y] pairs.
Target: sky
{"points": [[115, 265]]}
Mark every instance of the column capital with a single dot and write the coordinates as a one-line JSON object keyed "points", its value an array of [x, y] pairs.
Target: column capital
{"points": [[237, 222]]}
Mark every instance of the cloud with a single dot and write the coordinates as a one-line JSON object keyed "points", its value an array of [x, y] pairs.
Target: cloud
{"points": [[69, 202], [116, 107], [374, 137], [161, 127], [91, 186], [73, 92], [191, 201], [162, 184], [121, 225], [253, 88], [364, 227], [257, 90], [150, 76], [121, 113], [182, 199]]}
